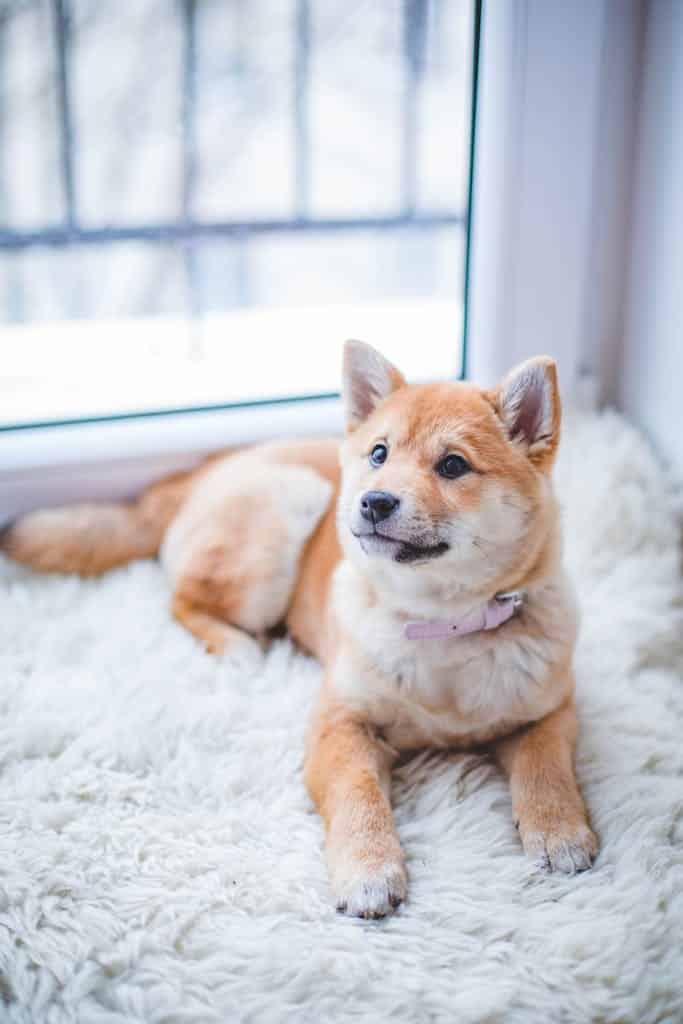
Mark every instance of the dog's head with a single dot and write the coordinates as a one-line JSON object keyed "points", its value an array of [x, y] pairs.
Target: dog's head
{"points": [[446, 480]]}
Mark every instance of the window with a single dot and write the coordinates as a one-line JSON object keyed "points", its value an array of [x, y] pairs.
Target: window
{"points": [[200, 199]]}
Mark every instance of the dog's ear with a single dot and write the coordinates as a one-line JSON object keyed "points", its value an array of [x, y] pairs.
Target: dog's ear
{"points": [[528, 403], [367, 379]]}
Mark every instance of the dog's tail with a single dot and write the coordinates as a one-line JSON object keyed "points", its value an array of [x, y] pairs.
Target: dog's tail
{"points": [[90, 539]]}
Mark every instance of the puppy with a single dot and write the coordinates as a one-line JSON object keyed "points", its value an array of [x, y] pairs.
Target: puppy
{"points": [[425, 574]]}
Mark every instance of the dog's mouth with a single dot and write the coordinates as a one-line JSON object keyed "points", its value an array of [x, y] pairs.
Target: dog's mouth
{"points": [[404, 551]]}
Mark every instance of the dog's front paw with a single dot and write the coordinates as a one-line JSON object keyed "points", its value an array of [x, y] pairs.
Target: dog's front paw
{"points": [[373, 893], [562, 846], [368, 880]]}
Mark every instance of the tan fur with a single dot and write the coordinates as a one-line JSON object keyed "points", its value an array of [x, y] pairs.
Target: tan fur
{"points": [[347, 774], [546, 802], [90, 539], [217, 636], [233, 549], [259, 536]]}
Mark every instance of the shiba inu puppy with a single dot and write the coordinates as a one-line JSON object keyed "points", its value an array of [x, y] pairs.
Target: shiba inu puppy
{"points": [[419, 560]]}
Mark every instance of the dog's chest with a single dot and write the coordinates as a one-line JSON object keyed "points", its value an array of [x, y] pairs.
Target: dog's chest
{"points": [[443, 692]]}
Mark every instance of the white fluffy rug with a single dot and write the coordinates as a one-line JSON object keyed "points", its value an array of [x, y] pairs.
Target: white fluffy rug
{"points": [[160, 861]]}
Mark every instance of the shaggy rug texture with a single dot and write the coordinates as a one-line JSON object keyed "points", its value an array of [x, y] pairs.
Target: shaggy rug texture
{"points": [[160, 860]]}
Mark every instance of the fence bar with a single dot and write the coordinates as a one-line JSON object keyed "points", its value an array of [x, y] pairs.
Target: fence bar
{"points": [[178, 232], [414, 37], [189, 106], [4, 190], [189, 144], [63, 38], [302, 140], [11, 276]]}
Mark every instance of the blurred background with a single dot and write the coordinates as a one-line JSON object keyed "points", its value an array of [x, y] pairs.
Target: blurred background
{"points": [[199, 199]]}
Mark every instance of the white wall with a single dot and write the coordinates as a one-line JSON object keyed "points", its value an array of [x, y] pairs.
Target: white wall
{"points": [[651, 390], [538, 101], [553, 170]]}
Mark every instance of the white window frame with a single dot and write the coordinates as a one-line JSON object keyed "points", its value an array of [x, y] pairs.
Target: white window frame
{"points": [[545, 276]]}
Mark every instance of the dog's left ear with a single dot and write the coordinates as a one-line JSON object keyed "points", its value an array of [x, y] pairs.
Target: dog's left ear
{"points": [[528, 403], [367, 379]]}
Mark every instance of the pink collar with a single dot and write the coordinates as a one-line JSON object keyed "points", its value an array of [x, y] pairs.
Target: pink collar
{"points": [[489, 616]]}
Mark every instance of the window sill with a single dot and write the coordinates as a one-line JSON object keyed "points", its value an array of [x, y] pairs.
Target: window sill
{"points": [[114, 459]]}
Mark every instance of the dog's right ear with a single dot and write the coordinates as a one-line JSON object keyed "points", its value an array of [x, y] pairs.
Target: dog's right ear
{"points": [[367, 379], [528, 403]]}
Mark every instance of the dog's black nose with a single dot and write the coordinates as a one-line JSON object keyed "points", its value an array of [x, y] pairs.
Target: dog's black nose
{"points": [[377, 505]]}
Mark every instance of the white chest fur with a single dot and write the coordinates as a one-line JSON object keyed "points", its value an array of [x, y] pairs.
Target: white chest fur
{"points": [[455, 691]]}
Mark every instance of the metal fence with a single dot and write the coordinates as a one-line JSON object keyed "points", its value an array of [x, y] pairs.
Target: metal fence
{"points": [[186, 229]]}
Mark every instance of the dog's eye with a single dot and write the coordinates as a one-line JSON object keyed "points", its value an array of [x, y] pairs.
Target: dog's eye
{"points": [[452, 466], [378, 455]]}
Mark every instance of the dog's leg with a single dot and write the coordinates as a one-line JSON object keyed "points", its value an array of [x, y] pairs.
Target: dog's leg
{"points": [[547, 805], [348, 776], [218, 637], [232, 554]]}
